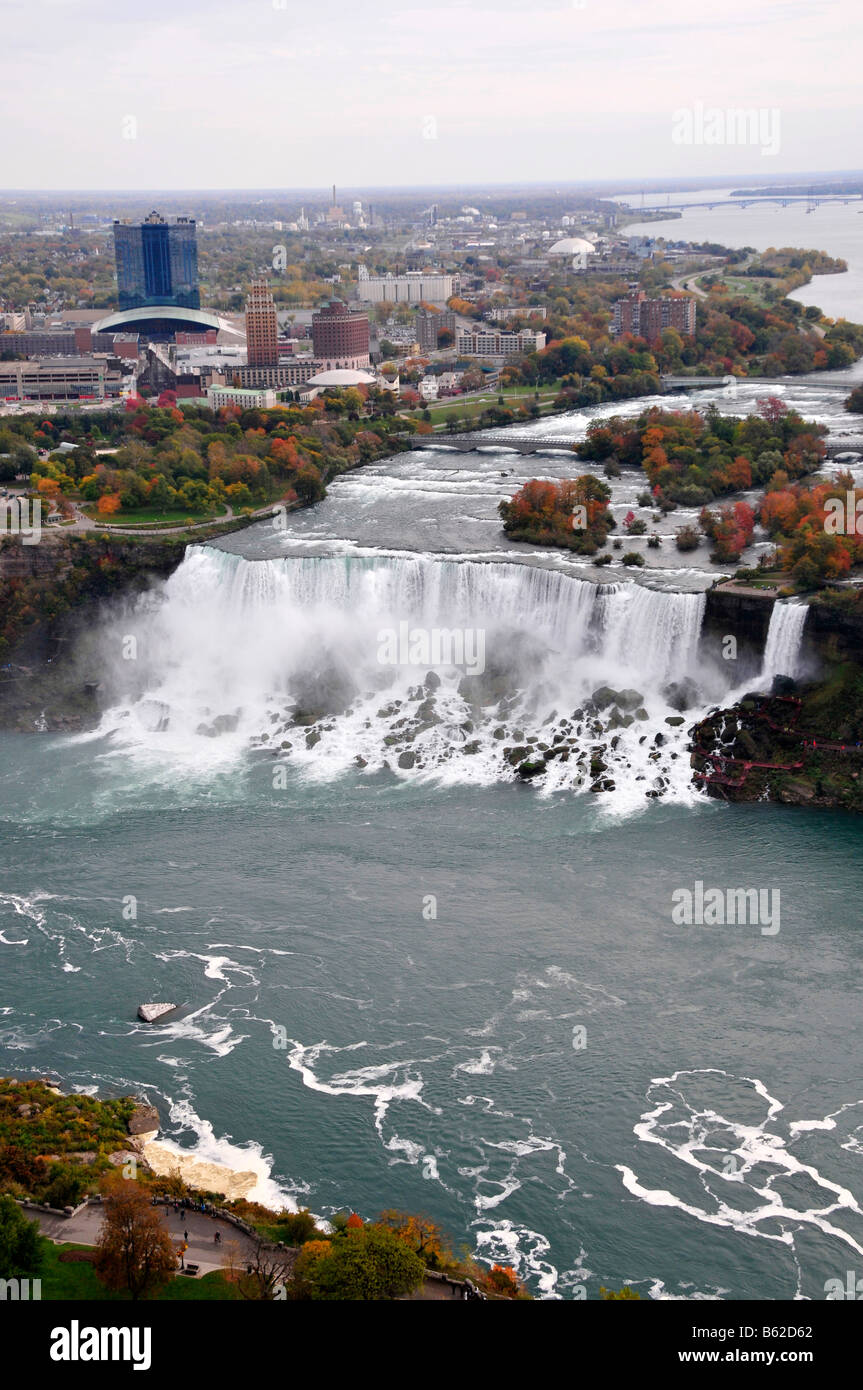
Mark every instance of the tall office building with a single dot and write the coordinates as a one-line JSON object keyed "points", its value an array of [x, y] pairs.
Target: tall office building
{"points": [[157, 262], [262, 327]]}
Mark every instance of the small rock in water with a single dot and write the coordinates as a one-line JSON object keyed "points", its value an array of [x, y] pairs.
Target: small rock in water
{"points": [[149, 1013]]}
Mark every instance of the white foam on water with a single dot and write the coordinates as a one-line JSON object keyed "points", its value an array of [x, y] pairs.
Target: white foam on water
{"points": [[742, 1162], [209, 1148]]}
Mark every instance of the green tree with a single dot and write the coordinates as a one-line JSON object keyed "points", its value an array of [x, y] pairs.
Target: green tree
{"points": [[364, 1264], [20, 1242]]}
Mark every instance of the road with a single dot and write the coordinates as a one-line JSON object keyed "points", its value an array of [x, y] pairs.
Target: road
{"points": [[687, 282]]}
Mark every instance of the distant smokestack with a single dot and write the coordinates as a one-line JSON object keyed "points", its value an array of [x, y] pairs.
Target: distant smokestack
{"points": [[334, 195]]}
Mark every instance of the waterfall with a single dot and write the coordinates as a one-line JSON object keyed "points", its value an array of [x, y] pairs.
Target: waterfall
{"points": [[293, 658], [784, 640]]}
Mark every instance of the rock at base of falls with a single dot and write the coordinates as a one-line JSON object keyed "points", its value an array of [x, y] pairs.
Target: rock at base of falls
{"points": [[150, 1013]]}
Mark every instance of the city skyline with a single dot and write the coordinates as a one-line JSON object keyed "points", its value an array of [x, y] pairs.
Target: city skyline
{"points": [[571, 92]]}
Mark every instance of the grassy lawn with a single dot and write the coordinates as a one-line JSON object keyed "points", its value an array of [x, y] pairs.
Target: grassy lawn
{"points": [[470, 406], [746, 287], [78, 1282], [149, 517]]}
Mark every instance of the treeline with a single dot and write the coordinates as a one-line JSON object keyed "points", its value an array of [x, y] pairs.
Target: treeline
{"points": [[691, 458], [57, 1149], [817, 527], [197, 462]]}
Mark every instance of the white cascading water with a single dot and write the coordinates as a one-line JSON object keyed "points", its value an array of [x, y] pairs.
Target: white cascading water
{"points": [[282, 658], [782, 650]]}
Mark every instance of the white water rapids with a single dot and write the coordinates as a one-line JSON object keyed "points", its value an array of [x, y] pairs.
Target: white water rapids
{"points": [[282, 659]]}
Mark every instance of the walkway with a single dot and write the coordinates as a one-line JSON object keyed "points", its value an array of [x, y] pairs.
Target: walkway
{"points": [[84, 1229]]}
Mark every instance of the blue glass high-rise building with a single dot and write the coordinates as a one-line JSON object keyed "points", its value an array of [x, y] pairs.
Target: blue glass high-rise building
{"points": [[157, 262]]}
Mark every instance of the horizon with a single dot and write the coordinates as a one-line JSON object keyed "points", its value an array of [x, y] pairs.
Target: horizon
{"points": [[804, 178]]}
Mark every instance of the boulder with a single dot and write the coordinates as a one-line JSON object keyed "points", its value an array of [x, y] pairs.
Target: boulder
{"points": [[604, 696], [149, 1013], [530, 768], [144, 1120], [517, 754], [681, 695]]}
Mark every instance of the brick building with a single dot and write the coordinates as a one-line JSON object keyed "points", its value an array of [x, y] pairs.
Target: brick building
{"points": [[646, 318], [262, 327], [340, 336]]}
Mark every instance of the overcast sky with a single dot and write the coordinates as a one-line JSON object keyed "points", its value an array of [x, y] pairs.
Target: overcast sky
{"points": [[125, 94]]}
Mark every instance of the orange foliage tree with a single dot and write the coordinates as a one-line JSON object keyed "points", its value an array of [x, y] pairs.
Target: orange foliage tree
{"points": [[134, 1252]]}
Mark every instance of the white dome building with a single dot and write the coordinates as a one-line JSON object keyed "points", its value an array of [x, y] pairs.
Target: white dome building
{"points": [[341, 377], [338, 378], [576, 247], [572, 246]]}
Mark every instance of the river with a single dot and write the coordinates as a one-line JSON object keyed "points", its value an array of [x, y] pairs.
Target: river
{"points": [[409, 978], [836, 228]]}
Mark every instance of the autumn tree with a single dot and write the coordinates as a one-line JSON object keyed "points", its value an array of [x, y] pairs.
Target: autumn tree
{"points": [[134, 1252], [108, 504], [420, 1233]]}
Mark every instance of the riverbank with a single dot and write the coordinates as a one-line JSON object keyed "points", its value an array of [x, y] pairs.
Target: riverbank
{"points": [[167, 1160], [799, 744], [186, 1192]]}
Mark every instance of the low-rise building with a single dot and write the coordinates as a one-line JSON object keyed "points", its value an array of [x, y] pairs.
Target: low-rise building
{"points": [[293, 373], [431, 286], [218, 396], [482, 342], [59, 379], [502, 313]]}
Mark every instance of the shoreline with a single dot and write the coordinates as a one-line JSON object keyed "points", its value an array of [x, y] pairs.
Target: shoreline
{"points": [[167, 1160]]}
